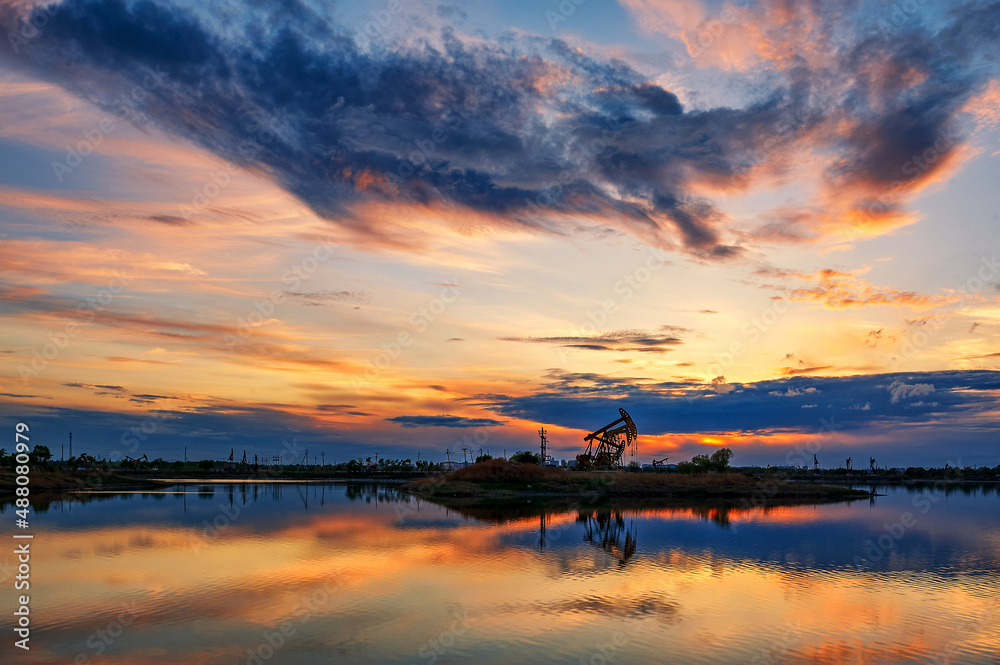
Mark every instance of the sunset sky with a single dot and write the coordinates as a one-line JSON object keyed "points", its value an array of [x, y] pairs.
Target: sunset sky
{"points": [[403, 227]]}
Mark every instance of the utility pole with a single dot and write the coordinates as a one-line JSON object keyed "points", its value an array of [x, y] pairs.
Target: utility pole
{"points": [[185, 454], [322, 456], [541, 433], [448, 453], [71, 444]]}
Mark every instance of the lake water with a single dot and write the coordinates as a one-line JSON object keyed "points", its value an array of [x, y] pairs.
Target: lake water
{"points": [[337, 573]]}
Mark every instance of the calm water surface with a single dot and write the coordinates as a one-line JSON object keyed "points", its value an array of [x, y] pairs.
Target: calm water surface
{"points": [[360, 574]]}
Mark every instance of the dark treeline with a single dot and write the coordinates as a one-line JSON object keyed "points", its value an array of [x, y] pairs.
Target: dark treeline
{"points": [[41, 457], [718, 462]]}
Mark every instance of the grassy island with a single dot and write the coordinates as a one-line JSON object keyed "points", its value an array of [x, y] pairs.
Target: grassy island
{"points": [[499, 478]]}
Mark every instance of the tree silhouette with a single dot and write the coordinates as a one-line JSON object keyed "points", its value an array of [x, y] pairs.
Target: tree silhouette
{"points": [[720, 459], [41, 455]]}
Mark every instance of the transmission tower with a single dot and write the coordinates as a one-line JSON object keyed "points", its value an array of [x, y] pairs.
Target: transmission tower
{"points": [[544, 459]]}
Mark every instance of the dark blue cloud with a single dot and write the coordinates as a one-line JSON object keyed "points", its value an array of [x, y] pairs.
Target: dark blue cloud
{"points": [[443, 421], [930, 414], [955, 422], [569, 399], [208, 432], [493, 127]]}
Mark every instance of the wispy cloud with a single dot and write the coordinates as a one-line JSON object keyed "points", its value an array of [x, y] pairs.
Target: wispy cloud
{"points": [[619, 340], [795, 371], [837, 289], [443, 421], [320, 298]]}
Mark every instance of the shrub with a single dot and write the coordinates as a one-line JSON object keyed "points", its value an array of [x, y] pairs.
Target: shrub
{"points": [[526, 457]]}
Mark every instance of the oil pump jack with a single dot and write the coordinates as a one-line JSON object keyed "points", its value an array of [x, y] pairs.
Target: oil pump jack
{"points": [[612, 440], [133, 463]]}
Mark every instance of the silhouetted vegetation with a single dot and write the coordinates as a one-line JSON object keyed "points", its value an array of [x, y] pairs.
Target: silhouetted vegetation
{"points": [[40, 456], [947, 473], [718, 462], [526, 457], [84, 471], [502, 471]]}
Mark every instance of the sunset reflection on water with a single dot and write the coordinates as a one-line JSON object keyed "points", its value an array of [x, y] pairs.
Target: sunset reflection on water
{"points": [[362, 574]]}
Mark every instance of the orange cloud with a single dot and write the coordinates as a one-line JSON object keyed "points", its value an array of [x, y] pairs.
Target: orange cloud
{"points": [[736, 37], [836, 289], [985, 107]]}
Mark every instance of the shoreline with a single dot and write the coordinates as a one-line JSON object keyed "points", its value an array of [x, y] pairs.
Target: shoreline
{"points": [[77, 481], [898, 481], [581, 484], [64, 480], [593, 486]]}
